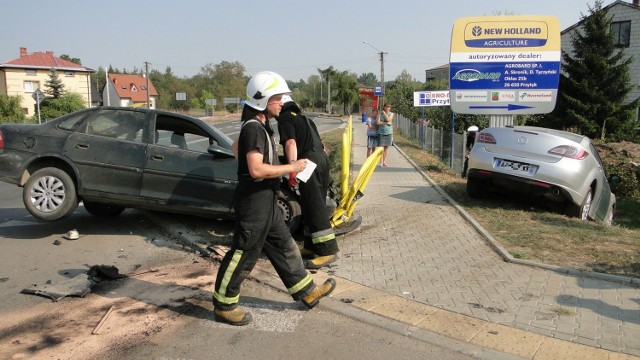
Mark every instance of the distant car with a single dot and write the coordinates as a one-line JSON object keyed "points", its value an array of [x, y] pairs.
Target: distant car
{"points": [[559, 166], [112, 158]]}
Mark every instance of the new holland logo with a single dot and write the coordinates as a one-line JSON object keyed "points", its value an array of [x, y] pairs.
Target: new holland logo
{"points": [[506, 34]]}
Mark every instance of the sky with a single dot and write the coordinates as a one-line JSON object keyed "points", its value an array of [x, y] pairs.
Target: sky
{"points": [[294, 38]]}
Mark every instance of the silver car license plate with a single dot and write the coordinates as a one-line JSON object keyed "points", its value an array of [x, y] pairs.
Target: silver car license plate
{"points": [[514, 166]]}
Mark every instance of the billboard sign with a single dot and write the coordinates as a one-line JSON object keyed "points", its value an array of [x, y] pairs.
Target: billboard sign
{"points": [[431, 98], [505, 65]]}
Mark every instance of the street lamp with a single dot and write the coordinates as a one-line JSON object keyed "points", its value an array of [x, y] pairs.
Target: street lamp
{"points": [[381, 68]]}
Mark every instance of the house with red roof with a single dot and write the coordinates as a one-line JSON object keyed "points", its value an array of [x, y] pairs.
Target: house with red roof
{"points": [[129, 90], [28, 73]]}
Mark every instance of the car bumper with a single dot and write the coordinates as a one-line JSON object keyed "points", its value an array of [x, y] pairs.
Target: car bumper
{"points": [[500, 182], [10, 167]]}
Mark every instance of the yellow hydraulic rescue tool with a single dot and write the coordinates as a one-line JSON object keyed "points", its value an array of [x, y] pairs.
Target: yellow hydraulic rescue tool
{"points": [[351, 194]]}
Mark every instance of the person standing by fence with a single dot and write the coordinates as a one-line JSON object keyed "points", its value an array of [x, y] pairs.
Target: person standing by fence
{"points": [[372, 132], [385, 131]]}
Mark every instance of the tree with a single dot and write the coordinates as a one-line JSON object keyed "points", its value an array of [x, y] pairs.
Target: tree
{"points": [[368, 79], [346, 90], [327, 74], [225, 79], [54, 86], [51, 108], [69, 58], [595, 81], [10, 109]]}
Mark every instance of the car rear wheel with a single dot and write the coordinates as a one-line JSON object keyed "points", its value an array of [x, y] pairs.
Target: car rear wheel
{"points": [[291, 209], [50, 194], [474, 188], [581, 211], [102, 210]]}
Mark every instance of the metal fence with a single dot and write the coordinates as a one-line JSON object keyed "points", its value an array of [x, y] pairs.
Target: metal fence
{"points": [[436, 141]]}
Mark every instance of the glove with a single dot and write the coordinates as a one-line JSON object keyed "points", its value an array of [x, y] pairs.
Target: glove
{"points": [[293, 182]]}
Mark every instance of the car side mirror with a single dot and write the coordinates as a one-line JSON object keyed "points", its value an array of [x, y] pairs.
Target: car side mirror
{"points": [[219, 151]]}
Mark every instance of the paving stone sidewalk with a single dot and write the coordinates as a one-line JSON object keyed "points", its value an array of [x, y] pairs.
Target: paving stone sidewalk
{"points": [[415, 244]]}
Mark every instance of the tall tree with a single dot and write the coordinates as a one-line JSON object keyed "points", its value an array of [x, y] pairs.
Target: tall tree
{"points": [[327, 74], [225, 79], [54, 86], [368, 79], [595, 80], [346, 90]]}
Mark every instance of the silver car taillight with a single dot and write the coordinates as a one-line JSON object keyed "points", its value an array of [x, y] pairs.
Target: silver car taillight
{"points": [[572, 152], [485, 138]]}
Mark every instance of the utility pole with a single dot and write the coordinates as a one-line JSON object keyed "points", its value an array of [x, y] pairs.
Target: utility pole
{"points": [[329, 93], [381, 72], [106, 84], [146, 75]]}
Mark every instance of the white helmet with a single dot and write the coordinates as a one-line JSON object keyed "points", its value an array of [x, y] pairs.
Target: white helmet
{"points": [[262, 86], [286, 98], [473, 128]]}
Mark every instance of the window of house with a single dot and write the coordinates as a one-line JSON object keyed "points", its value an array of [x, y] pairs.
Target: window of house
{"points": [[621, 31], [134, 88], [31, 86], [69, 73], [29, 72]]}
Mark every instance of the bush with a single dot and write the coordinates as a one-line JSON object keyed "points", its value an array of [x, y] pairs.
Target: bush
{"points": [[10, 109], [622, 159], [51, 108], [629, 186]]}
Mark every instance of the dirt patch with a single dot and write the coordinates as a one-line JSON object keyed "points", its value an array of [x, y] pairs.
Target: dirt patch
{"points": [[128, 311]]}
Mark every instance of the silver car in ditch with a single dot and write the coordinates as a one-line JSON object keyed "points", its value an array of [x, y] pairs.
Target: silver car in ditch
{"points": [[559, 166]]}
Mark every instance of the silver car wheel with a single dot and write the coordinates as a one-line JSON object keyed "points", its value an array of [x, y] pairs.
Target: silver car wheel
{"points": [[48, 194], [586, 206], [608, 221]]}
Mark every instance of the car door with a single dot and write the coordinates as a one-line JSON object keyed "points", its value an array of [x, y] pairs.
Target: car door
{"points": [[110, 153], [180, 172]]}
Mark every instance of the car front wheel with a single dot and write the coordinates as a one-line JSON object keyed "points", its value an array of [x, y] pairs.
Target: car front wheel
{"points": [[50, 194], [608, 220], [581, 211]]}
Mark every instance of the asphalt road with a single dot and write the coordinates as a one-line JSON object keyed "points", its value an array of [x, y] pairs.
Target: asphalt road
{"points": [[162, 309]]}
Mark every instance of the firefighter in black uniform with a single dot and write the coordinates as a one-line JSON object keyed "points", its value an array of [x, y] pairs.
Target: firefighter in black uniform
{"points": [[259, 222], [300, 139]]}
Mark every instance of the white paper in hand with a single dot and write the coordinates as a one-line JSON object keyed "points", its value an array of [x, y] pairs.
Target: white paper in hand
{"points": [[305, 174]]}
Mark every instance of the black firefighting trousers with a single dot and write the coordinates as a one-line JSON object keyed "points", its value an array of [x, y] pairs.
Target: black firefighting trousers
{"points": [[259, 226], [313, 195]]}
